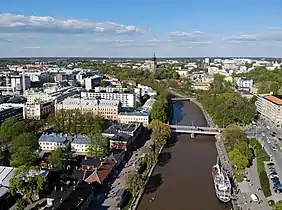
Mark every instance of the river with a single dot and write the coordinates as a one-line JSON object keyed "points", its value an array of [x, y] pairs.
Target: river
{"points": [[182, 179]]}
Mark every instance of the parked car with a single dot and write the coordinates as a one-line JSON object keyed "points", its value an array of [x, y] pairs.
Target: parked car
{"points": [[254, 198], [274, 148], [271, 164]]}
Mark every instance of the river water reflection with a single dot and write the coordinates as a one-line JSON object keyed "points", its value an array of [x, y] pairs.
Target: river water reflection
{"points": [[182, 179]]}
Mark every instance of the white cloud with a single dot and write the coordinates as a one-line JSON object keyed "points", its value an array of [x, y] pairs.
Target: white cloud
{"points": [[21, 23], [107, 42]]}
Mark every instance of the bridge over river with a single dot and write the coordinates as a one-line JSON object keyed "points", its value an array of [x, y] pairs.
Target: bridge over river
{"points": [[195, 130]]}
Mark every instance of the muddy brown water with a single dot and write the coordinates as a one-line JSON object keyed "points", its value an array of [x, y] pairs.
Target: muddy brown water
{"points": [[182, 179]]}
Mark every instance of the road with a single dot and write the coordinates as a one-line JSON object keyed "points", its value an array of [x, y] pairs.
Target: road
{"points": [[107, 199]]}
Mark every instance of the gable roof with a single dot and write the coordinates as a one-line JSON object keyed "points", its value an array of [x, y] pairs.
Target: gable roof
{"points": [[100, 174]]}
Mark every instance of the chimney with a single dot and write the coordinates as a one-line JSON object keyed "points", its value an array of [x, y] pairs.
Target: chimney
{"points": [[55, 188], [62, 189], [85, 158], [61, 200], [74, 188]]}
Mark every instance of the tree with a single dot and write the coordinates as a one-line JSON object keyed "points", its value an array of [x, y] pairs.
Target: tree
{"points": [[238, 159], [21, 204], [150, 155], [160, 134], [233, 135], [24, 140], [98, 146], [27, 181], [23, 156], [11, 128], [57, 158], [244, 149], [159, 111], [134, 182]]}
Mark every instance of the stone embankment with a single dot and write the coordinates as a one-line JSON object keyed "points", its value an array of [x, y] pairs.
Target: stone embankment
{"points": [[138, 198]]}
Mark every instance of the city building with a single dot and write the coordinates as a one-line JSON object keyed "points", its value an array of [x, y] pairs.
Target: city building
{"points": [[52, 141], [11, 110], [244, 83], [137, 116], [80, 143], [270, 108], [39, 110], [122, 136], [19, 84], [91, 82], [126, 98], [6, 173], [55, 93], [109, 109], [147, 107]]}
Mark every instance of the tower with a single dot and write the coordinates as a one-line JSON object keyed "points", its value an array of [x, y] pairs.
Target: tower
{"points": [[154, 63]]}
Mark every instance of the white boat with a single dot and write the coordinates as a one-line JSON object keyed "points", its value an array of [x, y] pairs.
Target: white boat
{"points": [[222, 184]]}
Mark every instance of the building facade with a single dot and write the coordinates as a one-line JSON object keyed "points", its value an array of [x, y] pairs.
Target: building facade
{"points": [[39, 110], [109, 109], [244, 83], [129, 117], [270, 108], [52, 141], [126, 99]]}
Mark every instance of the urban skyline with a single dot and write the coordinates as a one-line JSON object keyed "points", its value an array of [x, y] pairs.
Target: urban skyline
{"points": [[114, 29]]}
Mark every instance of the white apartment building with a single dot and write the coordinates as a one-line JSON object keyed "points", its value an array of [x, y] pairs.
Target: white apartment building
{"points": [[17, 83], [80, 143], [147, 90], [244, 83], [91, 82], [52, 141], [270, 107], [130, 117], [109, 109], [55, 93], [126, 99], [39, 110]]}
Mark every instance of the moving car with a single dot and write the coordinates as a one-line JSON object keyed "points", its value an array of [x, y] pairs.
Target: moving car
{"points": [[274, 148]]}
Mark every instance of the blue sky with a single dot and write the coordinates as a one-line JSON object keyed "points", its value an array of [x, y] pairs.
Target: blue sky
{"points": [[139, 28]]}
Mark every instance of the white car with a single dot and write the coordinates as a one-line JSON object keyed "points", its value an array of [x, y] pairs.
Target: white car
{"points": [[268, 141], [254, 198], [274, 148], [263, 134]]}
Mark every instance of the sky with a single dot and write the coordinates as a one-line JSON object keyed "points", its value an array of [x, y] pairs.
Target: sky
{"points": [[127, 28]]}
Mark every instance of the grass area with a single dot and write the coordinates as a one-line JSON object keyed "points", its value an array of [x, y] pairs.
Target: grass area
{"points": [[261, 156], [239, 175]]}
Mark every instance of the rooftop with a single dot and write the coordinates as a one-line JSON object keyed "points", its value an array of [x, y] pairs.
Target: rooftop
{"points": [[277, 99], [90, 102], [75, 199], [6, 173], [136, 113], [122, 137], [81, 139], [102, 172], [53, 137], [122, 128]]}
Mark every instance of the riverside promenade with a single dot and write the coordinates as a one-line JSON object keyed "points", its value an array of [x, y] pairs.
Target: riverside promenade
{"points": [[222, 154]]}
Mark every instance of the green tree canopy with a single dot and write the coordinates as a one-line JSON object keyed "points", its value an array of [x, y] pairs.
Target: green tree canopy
{"points": [[11, 128], [57, 158], [21, 204], [134, 182], [98, 146], [27, 181], [160, 134], [238, 159], [73, 121], [233, 135], [244, 149], [150, 156], [23, 156], [24, 140]]}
